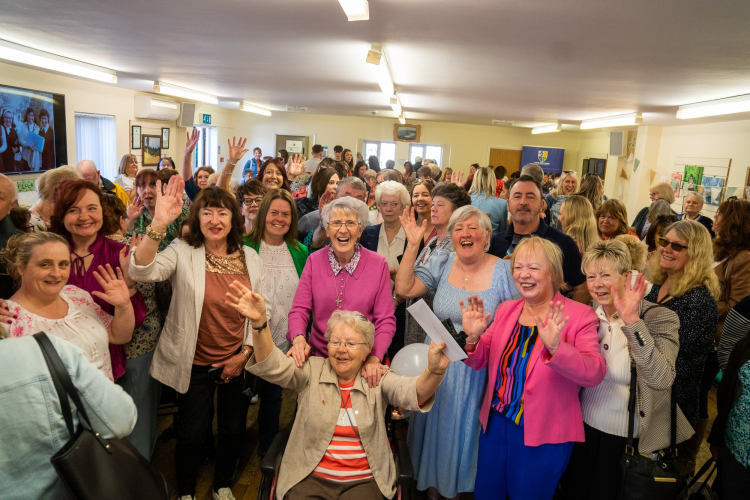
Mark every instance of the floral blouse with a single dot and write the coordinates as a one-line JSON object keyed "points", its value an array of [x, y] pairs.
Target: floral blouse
{"points": [[85, 325]]}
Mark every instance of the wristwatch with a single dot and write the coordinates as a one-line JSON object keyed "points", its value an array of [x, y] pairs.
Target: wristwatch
{"points": [[155, 235]]}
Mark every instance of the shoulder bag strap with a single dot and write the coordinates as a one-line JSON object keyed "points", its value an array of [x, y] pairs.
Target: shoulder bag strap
{"points": [[631, 409], [61, 394]]}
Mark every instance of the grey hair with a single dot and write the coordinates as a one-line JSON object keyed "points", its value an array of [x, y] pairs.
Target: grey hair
{"points": [[462, 214], [610, 251], [390, 164], [658, 207], [355, 182], [393, 188], [354, 319], [534, 171], [354, 206], [49, 180], [700, 197]]}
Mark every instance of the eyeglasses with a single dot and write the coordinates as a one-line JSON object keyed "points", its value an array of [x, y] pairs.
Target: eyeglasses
{"points": [[249, 202], [348, 344], [677, 247], [335, 225]]}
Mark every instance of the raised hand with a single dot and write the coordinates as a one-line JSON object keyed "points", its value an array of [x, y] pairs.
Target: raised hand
{"points": [[192, 141], [549, 329], [296, 166], [458, 179], [414, 233], [135, 209], [115, 289], [473, 318], [628, 303], [247, 303], [437, 361], [326, 198], [236, 149], [168, 205]]}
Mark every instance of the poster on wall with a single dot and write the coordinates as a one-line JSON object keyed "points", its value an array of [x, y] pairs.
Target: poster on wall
{"points": [[676, 183], [550, 159], [713, 188], [692, 177]]}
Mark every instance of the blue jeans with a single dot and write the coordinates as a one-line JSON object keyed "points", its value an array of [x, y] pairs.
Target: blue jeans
{"points": [[507, 467]]}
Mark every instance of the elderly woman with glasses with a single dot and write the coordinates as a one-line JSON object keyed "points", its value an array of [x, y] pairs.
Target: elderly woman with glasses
{"points": [[447, 466], [685, 282], [338, 447], [343, 275]]}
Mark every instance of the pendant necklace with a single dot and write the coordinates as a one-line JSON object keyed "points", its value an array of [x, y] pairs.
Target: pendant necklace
{"points": [[339, 293], [467, 278]]}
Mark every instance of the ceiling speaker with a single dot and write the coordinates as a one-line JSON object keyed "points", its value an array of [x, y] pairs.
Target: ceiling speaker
{"points": [[187, 115], [617, 143]]}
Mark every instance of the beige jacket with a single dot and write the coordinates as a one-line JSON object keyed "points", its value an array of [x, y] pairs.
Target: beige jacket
{"points": [[319, 405], [186, 266]]}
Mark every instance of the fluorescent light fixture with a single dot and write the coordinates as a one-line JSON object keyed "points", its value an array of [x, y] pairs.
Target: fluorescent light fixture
{"points": [[26, 55], [174, 90], [613, 121], [379, 67], [356, 10], [555, 127], [402, 119], [738, 104], [252, 108], [396, 105]]}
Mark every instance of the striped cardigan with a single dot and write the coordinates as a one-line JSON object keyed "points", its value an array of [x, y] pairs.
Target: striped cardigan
{"points": [[736, 326]]}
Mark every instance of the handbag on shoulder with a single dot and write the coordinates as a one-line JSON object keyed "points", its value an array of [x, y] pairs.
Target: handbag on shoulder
{"points": [[89, 466], [642, 477]]}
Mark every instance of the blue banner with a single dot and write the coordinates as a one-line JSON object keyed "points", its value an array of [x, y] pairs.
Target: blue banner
{"points": [[550, 159]]}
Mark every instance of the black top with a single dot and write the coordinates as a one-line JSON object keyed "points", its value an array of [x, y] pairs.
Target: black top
{"points": [[698, 320], [500, 243], [706, 222], [7, 229]]}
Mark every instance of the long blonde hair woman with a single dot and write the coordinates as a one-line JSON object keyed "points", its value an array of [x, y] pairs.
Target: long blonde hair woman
{"points": [[482, 194], [567, 185], [593, 189], [578, 222]]}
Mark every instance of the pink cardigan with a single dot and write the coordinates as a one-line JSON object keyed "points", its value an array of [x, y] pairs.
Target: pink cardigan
{"points": [[367, 291], [552, 411]]}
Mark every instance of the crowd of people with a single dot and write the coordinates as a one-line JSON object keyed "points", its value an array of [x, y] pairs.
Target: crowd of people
{"points": [[300, 277]]}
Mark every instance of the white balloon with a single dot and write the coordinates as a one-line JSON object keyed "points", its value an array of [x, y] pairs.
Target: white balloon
{"points": [[411, 360]]}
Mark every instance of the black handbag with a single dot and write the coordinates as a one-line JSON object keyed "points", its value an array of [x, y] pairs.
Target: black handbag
{"points": [[89, 466], [642, 477]]}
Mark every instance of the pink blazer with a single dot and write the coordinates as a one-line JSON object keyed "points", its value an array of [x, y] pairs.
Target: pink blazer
{"points": [[552, 411]]}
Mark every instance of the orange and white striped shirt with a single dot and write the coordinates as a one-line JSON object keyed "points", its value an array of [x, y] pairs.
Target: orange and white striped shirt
{"points": [[345, 458]]}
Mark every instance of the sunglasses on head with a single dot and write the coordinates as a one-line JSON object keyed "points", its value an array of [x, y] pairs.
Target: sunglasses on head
{"points": [[677, 247]]}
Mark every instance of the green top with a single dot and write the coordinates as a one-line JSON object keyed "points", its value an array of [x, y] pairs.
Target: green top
{"points": [[299, 253], [173, 230]]}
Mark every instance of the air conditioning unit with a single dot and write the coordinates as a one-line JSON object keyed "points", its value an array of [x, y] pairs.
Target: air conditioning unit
{"points": [[618, 140], [187, 115], [154, 108]]}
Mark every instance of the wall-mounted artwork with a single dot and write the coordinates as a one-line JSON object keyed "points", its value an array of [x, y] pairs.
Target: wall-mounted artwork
{"points": [[676, 183], [151, 150], [407, 133], [713, 188], [692, 177]]}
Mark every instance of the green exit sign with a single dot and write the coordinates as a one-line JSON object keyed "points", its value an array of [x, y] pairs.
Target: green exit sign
{"points": [[206, 119]]}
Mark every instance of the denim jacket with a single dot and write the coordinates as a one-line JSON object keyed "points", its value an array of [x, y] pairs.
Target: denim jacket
{"points": [[32, 428]]}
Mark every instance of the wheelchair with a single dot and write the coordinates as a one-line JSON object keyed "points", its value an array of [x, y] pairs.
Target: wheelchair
{"points": [[271, 462]]}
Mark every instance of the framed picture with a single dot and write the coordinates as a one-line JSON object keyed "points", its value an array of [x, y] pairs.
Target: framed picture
{"points": [[135, 137], [165, 138], [151, 150], [407, 133]]}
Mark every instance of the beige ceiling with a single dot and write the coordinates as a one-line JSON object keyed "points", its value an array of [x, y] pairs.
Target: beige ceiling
{"points": [[470, 61]]}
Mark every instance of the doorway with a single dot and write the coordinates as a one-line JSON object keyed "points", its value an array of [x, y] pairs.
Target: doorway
{"points": [[508, 158], [294, 144]]}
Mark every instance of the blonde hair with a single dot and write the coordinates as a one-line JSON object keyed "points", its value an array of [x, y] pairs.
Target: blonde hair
{"points": [[484, 183], [637, 249], [592, 189], [699, 268], [124, 162], [612, 251], [21, 247], [49, 180], [551, 252], [580, 223], [446, 174], [664, 190], [354, 319], [559, 184]]}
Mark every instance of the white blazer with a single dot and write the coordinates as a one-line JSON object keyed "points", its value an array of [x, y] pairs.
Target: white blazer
{"points": [[186, 266]]}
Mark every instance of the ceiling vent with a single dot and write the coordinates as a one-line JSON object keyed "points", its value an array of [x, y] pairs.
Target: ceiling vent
{"points": [[298, 109], [503, 123]]}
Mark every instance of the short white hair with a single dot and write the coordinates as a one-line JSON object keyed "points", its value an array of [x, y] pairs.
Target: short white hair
{"points": [[462, 214], [354, 319], [700, 197], [348, 204], [393, 188]]}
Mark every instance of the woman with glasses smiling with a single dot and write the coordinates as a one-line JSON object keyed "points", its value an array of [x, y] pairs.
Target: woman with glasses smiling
{"points": [[685, 282], [343, 275], [250, 196]]}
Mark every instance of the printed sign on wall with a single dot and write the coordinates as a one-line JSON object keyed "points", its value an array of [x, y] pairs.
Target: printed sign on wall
{"points": [[550, 159]]}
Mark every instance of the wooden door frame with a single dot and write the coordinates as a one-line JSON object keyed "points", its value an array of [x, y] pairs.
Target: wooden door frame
{"points": [[489, 151]]}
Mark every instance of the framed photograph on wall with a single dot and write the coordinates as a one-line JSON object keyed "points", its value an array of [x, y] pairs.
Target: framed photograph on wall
{"points": [[135, 137], [151, 150], [407, 133], [165, 138]]}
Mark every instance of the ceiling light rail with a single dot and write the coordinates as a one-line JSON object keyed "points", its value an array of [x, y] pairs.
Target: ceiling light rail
{"points": [[177, 91], [356, 10], [613, 121], [726, 106], [14, 52], [545, 129], [252, 108]]}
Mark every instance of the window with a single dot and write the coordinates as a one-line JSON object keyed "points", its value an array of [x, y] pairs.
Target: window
{"points": [[96, 140], [426, 151], [207, 150], [383, 150]]}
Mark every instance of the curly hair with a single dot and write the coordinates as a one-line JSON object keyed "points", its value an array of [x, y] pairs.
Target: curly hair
{"points": [[699, 268], [456, 195], [67, 194], [734, 229], [215, 197], [20, 248], [637, 250]]}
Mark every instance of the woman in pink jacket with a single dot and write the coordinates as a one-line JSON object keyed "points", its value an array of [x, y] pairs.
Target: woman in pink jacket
{"points": [[537, 357]]}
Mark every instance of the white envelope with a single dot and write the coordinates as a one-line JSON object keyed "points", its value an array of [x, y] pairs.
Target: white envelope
{"points": [[436, 331]]}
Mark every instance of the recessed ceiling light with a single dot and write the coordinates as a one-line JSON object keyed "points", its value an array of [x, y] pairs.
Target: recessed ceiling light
{"points": [[738, 104], [26, 55], [252, 108], [356, 10], [613, 121], [174, 90], [546, 129]]}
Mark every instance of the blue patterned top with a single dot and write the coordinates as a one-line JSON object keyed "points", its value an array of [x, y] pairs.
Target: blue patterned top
{"points": [[511, 377], [738, 423]]}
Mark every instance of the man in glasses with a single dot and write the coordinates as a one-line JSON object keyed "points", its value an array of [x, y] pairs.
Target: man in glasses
{"points": [[693, 206], [526, 204]]}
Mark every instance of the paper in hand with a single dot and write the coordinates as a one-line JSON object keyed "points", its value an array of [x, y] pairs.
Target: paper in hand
{"points": [[435, 329]]}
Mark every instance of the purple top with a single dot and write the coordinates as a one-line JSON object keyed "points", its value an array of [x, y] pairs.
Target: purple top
{"points": [[106, 251], [367, 291]]}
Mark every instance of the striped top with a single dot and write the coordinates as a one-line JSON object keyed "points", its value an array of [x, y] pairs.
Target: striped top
{"points": [[512, 371], [345, 458], [736, 326]]}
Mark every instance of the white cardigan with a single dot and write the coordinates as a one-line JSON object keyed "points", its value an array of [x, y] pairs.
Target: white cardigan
{"points": [[186, 266]]}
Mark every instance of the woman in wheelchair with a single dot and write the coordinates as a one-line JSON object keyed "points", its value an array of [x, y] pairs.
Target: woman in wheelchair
{"points": [[338, 447]]}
